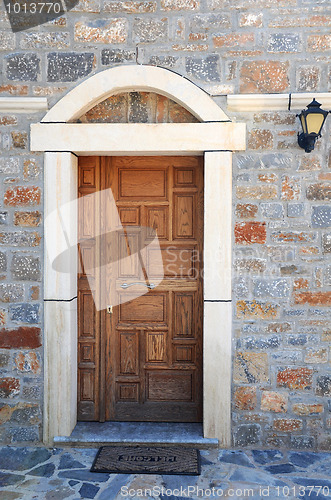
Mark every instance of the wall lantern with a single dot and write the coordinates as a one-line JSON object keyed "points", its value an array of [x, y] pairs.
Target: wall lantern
{"points": [[312, 121]]}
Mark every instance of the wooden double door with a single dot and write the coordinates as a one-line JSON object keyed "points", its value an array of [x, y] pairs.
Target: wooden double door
{"points": [[142, 359]]}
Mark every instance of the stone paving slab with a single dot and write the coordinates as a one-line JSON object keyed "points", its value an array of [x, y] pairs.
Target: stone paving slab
{"points": [[64, 473]]}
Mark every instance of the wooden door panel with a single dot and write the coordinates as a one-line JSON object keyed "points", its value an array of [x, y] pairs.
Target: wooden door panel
{"points": [[143, 362]]}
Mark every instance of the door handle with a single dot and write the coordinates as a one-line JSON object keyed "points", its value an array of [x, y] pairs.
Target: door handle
{"points": [[127, 285]]}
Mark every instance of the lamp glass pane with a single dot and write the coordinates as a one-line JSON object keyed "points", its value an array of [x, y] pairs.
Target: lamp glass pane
{"points": [[303, 122], [314, 122]]}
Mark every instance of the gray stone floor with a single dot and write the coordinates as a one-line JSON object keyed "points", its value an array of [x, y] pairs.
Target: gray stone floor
{"points": [[63, 473]]}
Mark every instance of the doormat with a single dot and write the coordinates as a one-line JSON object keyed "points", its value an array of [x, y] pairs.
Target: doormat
{"points": [[143, 460]]}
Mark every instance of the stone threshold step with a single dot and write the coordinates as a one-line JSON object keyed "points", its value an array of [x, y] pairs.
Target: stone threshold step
{"points": [[94, 434]]}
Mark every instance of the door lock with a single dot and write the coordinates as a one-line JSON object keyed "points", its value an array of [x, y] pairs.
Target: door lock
{"points": [[110, 309]]}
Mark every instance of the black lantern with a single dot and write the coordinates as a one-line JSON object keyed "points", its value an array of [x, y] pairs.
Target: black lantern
{"points": [[312, 121]]}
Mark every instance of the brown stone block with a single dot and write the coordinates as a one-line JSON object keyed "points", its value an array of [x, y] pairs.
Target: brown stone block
{"points": [[257, 192], [254, 20], [290, 188], [27, 219], [319, 43], [319, 192], [196, 37], [233, 40], [247, 233], [274, 401], [24, 337], [114, 109], [107, 31], [308, 251], [300, 283], [264, 77], [19, 139], [14, 89], [260, 139], [251, 367], [313, 298], [130, 7], [246, 211], [287, 424], [27, 362], [9, 387], [245, 398], [22, 196], [267, 178], [293, 236], [253, 310], [304, 409], [295, 378], [8, 120], [308, 163]]}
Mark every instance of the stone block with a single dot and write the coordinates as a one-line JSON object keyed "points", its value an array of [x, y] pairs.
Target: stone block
{"points": [[69, 66], [10, 165], [24, 67], [284, 42], [25, 313], [248, 233], [323, 385], [27, 362], [10, 292], [20, 239], [251, 367], [264, 77], [260, 139], [309, 163], [28, 414], [272, 210], [8, 120], [287, 424], [150, 30], [117, 56], [34, 292], [25, 434], [274, 401], [9, 387], [204, 68], [163, 61], [253, 265], [295, 209], [308, 78], [31, 169], [190, 5], [316, 356], [233, 40], [275, 288], [300, 284], [207, 22], [114, 109], [14, 89], [258, 344], [302, 442], [306, 409], [253, 310], [251, 20], [19, 139], [293, 236], [24, 337], [245, 398], [3, 262], [26, 267], [264, 192], [295, 378], [102, 31], [247, 434], [319, 43], [27, 219], [246, 211], [326, 243], [22, 196], [54, 40], [313, 298], [319, 192], [131, 7], [291, 188]]}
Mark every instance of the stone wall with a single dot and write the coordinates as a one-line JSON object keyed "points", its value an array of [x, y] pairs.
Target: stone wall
{"points": [[282, 216]]}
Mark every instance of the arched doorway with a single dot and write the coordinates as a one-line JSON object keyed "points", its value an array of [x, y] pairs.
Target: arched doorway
{"points": [[62, 141]]}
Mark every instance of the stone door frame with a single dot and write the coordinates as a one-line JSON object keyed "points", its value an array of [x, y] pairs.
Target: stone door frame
{"points": [[62, 141]]}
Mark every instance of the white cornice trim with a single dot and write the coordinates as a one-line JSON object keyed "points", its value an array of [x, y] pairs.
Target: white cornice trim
{"points": [[23, 104], [276, 102]]}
